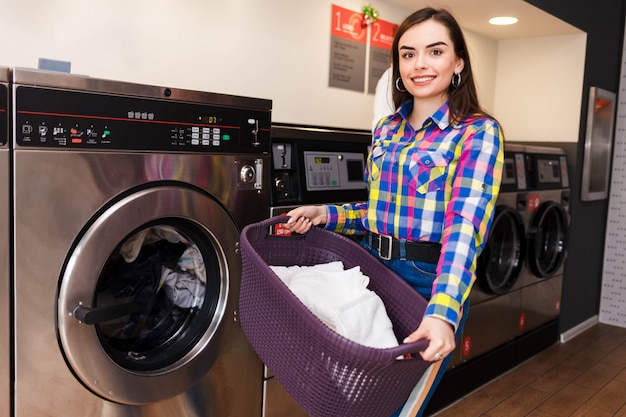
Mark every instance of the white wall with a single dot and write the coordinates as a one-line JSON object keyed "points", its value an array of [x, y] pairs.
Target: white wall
{"points": [[276, 49], [484, 58], [539, 87]]}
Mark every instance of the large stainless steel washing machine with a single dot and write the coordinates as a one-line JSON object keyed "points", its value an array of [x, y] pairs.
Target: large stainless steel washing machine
{"points": [[493, 318], [547, 235], [128, 204], [5, 270]]}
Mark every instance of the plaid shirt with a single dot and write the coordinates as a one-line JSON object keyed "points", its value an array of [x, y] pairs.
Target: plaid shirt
{"points": [[438, 184]]}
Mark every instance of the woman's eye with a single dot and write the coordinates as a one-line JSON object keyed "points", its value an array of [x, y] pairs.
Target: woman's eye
{"points": [[407, 55], [436, 52]]}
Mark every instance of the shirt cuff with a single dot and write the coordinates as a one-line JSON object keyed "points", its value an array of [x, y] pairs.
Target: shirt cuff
{"points": [[444, 307], [335, 218]]}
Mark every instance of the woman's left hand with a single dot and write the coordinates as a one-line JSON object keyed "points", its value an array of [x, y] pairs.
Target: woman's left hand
{"points": [[440, 336]]}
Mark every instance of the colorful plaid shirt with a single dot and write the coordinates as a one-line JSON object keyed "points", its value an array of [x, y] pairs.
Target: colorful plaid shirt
{"points": [[437, 184]]}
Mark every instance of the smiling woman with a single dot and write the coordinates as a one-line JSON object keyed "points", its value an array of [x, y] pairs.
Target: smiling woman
{"points": [[433, 176]]}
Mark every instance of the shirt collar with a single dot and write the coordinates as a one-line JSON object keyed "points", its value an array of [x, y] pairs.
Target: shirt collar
{"points": [[440, 117]]}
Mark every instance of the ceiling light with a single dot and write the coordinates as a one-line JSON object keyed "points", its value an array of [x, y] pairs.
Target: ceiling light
{"points": [[503, 20]]}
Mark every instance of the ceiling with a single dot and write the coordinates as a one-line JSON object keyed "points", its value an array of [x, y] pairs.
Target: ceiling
{"points": [[474, 16]]}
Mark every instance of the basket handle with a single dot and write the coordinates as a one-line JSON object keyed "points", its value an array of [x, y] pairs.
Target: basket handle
{"points": [[281, 218], [410, 348]]}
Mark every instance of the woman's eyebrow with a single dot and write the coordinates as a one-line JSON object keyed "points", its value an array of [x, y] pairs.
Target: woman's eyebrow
{"points": [[436, 44], [427, 46]]}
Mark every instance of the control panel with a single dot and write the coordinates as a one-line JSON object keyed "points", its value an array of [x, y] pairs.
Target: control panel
{"points": [[514, 172], [547, 171], [334, 170], [318, 165], [4, 122], [57, 118]]}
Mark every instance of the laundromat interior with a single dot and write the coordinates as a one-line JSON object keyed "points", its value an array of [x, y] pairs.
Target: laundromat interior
{"points": [[266, 68]]}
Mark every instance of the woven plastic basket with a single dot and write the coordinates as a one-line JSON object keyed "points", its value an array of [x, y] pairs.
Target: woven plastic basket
{"points": [[325, 373]]}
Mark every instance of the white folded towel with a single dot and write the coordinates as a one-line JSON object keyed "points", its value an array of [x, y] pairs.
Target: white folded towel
{"points": [[340, 299]]}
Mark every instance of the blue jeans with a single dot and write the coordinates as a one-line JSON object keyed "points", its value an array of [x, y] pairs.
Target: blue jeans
{"points": [[420, 276]]}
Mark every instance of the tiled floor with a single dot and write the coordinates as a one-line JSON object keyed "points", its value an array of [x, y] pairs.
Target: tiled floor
{"points": [[584, 377]]}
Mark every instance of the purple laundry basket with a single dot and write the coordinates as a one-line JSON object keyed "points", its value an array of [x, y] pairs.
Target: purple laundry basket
{"points": [[325, 373]]}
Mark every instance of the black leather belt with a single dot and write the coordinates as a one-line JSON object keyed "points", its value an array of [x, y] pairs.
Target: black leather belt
{"points": [[390, 248]]}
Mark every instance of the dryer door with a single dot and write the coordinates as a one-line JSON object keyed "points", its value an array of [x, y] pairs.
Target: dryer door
{"points": [[547, 239], [145, 299], [501, 261]]}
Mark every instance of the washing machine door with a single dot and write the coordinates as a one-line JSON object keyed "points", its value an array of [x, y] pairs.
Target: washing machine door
{"points": [[146, 294], [501, 261], [547, 239]]}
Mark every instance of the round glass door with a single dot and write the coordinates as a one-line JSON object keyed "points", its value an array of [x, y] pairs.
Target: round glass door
{"points": [[547, 239], [501, 261], [156, 295], [145, 294]]}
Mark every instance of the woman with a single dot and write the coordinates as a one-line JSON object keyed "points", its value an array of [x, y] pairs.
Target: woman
{"points": [[434, 174]]}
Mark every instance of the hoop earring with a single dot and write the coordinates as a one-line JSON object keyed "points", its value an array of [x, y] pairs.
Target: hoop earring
{"points": [[456, 80], [398, 85]]}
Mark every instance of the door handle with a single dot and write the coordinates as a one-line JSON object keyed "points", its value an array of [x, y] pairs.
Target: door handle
{"points": [[97, 315]]}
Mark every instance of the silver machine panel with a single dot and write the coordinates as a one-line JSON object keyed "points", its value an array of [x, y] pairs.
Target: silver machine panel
{"points": [[494, 312], [5, 249], [128, 204]]}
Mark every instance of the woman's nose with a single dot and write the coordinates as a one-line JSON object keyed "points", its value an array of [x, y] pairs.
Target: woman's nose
{"points": [[420, 61]]}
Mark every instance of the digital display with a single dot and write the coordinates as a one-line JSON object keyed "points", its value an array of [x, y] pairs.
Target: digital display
{"points": [[356, 171], [321, 160], [210, 120]]}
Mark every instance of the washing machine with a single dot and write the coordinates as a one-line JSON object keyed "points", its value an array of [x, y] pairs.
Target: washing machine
{"points": [[547, 234], [495, 297], [5, 239], [311, 165], [128, 204]]}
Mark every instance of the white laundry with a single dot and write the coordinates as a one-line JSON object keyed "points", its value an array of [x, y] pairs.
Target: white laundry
{"points": [[184, 290], [340, 299], [131, 247]]}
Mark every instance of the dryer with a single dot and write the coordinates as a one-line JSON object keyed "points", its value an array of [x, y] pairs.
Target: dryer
{"points": [[495, 300], [128, 204], [5, 229], [547, 235]]}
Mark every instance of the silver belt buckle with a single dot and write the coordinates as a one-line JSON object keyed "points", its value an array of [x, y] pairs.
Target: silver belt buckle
{"points": [[389, 241]]}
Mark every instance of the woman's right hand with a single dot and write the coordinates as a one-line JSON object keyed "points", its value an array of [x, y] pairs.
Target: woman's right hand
{"points": [[303, 218]]}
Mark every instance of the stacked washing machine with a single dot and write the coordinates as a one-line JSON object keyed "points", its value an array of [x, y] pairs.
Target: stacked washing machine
{"points": [[547, 233], [311, 165], [5, 290], [495, 300]]}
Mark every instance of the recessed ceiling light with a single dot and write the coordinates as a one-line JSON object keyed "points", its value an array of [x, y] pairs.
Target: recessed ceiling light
{"points": [[503, 20]]}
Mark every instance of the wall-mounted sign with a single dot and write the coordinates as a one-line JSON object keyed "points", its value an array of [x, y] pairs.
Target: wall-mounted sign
{"points": [[347, 52], [358, 48], [381, 41]]}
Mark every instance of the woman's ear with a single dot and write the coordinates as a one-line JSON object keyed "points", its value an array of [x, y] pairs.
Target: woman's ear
{"points": [[459, 66]]}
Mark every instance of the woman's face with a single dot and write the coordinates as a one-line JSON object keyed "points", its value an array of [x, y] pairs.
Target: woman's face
{"points": [[428, 61]]}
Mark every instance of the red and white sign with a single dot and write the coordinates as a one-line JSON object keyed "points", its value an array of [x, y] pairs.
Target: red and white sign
{"points": [[348, 24], [382, 33]]}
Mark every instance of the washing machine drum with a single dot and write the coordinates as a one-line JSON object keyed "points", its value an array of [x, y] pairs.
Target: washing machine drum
{"points": [[501, 261], [144, 294], [547, 239]]}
